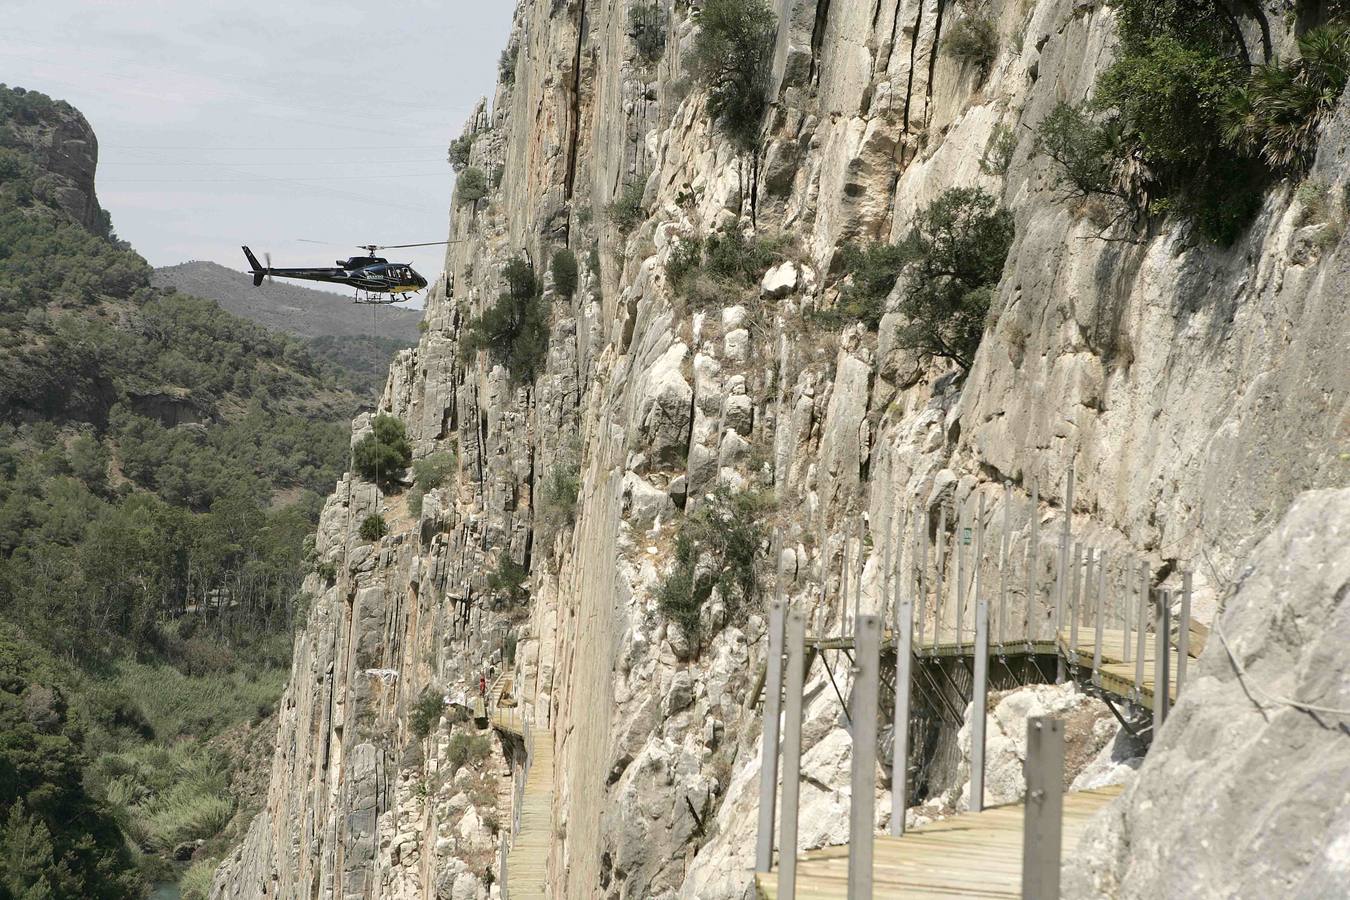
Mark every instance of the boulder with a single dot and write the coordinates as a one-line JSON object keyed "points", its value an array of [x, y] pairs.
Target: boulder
{"points": [[779, 281]]}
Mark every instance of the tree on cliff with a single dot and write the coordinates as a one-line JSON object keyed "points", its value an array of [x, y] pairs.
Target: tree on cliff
{"points": [[953, 259], [514, 329], [732, 57], [384, 453]]}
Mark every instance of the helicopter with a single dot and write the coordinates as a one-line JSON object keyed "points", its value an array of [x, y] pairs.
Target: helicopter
{"points": [[375, 278]]}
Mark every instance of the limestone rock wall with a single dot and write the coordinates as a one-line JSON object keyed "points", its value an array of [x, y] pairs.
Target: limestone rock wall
{"points": [[1196, 391]]}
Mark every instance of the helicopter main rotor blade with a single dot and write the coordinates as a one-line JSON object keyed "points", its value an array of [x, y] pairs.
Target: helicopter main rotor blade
{"points": [[426, 244]]}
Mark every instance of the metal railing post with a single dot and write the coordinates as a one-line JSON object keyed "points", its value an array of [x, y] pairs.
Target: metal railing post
{"points": [[1144, 591], [1075, 569], [960, 572], [768, 770], [792, 754], [1003, 566], [1044, 811], [1184, 630], [1101, 618], [922, 605], [1033, 550], [938, 574], [1127, 610], [975, 568], [1162, 675], [863, 713], [904, 659], [979, 701]]}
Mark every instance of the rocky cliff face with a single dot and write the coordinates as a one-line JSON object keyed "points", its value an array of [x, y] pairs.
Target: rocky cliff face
{"points": [[1196, 391], [64, 149]]}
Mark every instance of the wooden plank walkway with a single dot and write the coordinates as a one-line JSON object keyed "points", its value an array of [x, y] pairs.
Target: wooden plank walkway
{"points": [[527, 860], [968, 855], [1116, 677]]}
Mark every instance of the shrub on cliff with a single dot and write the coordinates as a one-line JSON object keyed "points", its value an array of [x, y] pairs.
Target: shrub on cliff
{"points": [[373, 528], [426, 712], [1277, 113], [384, 453], [508, 581], [564, 266], [732, 58], [715, 549], [514, 329], [460, 149], [647, 31], [506, 64], [1083, 149], [465, 748], [973, 42], [428, 474], [954, 258], [871, 272], [471, 185], [557, 504], [627, 212], [708, 270]]}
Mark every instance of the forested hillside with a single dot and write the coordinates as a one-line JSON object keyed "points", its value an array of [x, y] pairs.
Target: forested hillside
{"points": [[161, 463]]}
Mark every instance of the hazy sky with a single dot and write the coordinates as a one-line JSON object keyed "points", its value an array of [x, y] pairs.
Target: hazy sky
{"points": [[264, 122]]}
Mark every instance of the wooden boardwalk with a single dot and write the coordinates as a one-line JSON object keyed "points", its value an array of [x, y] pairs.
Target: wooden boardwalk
{"points": [[968, 855], [1117, 676], [527, 860]]}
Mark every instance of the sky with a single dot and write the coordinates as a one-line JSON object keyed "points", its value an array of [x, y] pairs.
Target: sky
{"points": [[266, 123]]}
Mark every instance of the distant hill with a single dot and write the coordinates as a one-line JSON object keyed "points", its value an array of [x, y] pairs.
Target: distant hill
{"points": [[288, 308]]}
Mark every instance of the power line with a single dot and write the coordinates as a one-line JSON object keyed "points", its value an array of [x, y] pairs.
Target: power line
{"points": [[225, 147], [252, 178], [306, 163]]}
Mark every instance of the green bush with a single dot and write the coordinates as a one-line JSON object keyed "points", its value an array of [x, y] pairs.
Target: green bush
{"points": [[507, 583], [703, 271], [434, 471], [466, 749], [1276, 115], [954, 258], [460, 149], [715, 548], [1084, 150], [998, 152], [1169, 98], [383, 454], [196, 883], [647, 31], [506, 64], [564, 268], [557, 505], [426, 712], [373, 527], [973, 42], [871, 273], [514, 329], [1180, 123], [471, 185], [732, 58], [627, 211]]}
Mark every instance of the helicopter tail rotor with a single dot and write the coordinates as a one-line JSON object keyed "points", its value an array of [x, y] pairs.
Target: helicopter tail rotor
{"points": [[268, 258], [258, 271]]}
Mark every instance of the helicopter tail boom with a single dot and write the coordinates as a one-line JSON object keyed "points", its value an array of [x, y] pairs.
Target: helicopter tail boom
{"points": [[259, 271]]}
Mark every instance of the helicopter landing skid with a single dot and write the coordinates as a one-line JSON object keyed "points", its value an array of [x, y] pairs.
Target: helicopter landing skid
{"points": [[365, 298]]}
